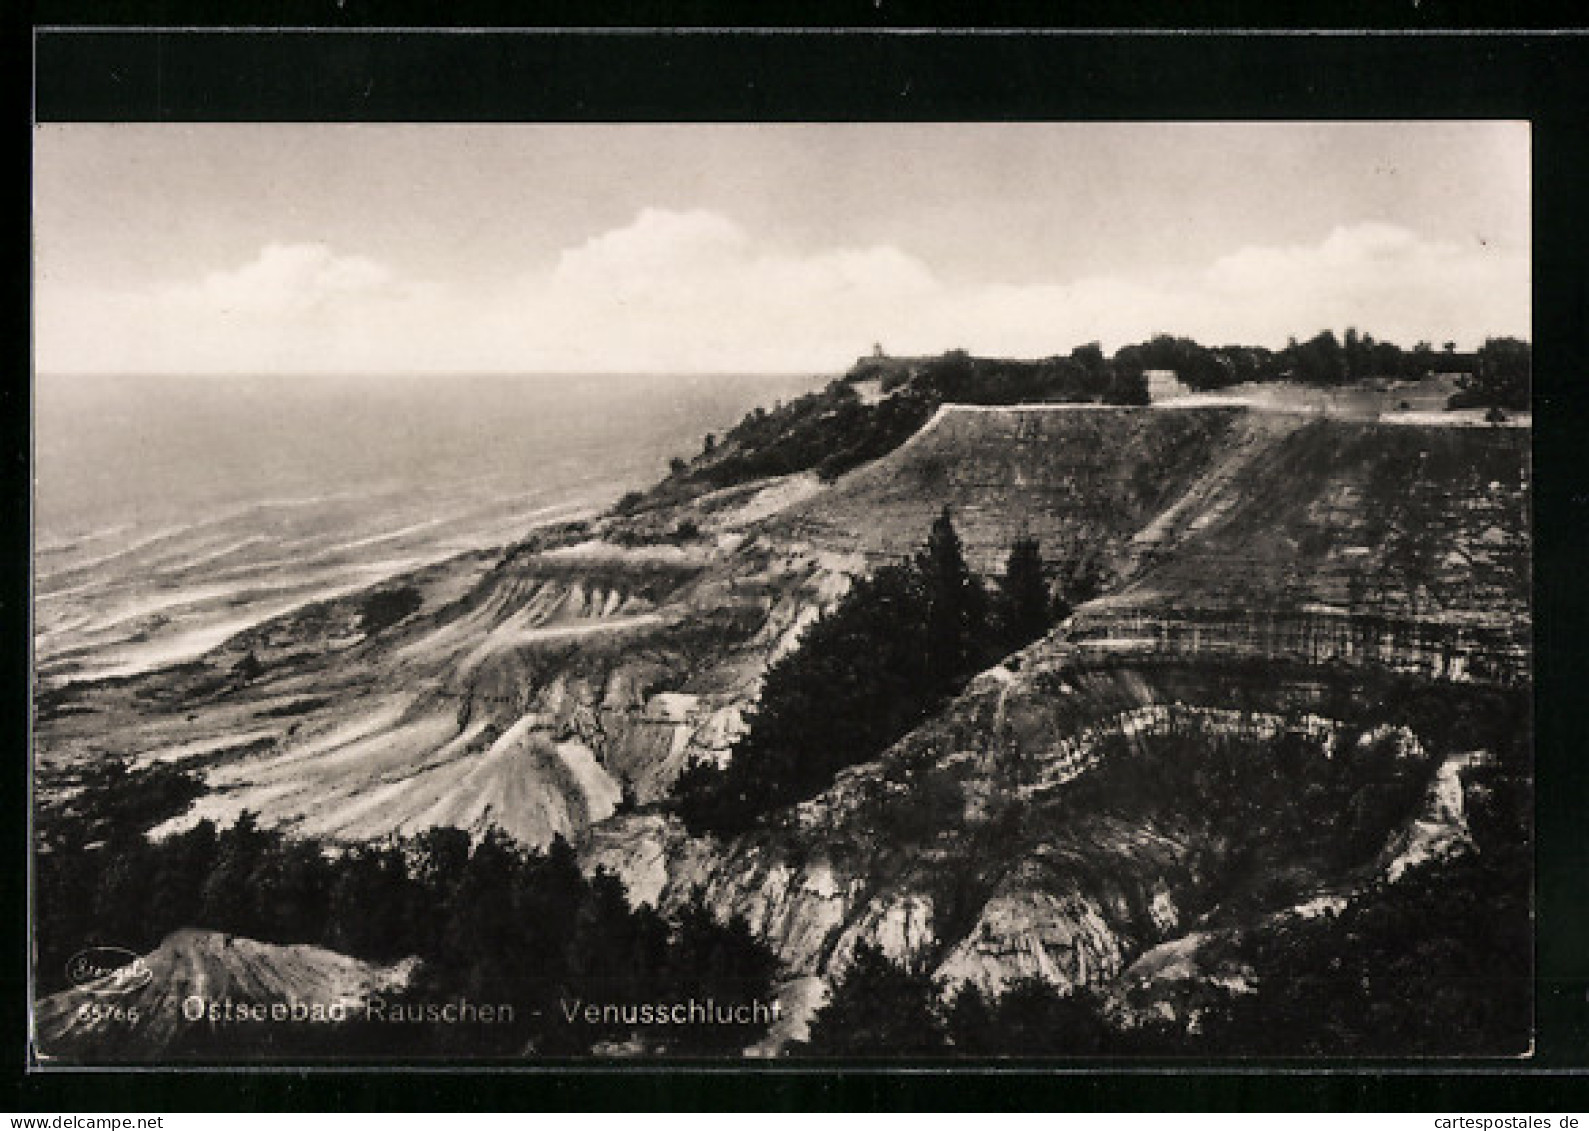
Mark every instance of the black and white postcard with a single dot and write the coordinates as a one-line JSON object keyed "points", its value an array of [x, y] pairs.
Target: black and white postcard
{"points": [[877, 590]]}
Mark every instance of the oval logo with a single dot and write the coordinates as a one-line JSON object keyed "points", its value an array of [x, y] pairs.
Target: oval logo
{"points": [[108, 970]]}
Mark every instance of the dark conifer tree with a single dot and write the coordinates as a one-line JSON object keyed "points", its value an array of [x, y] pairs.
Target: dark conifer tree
{"points": [[1026, 608], [438, 857], [898, 644], [972, 1025], [292, 890], [1029, 1018], [878, 1007], [858, 682], [369, 904], [228, 893], [177, 887], [956, 607]]}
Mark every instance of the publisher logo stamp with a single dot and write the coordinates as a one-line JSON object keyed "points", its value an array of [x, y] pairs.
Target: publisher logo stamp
{"points": [[108, 970]]}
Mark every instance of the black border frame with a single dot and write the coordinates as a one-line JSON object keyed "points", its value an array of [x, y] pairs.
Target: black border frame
{"points": [[626, 71]]}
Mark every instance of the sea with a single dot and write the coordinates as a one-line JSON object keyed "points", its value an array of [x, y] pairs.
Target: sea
{"points": [[171, 512]]}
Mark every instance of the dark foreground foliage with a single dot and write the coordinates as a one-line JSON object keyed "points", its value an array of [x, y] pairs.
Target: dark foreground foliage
{"points": [[1436, 964], [492, 922], [880, 1008]]}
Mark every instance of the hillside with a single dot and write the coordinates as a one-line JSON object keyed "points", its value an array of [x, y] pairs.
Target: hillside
{"points": [[1083, 481], [528, 693], [873, 409], [1356, 592], [1295, 576]]}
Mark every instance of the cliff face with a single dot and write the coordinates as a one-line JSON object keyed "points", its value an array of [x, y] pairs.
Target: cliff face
{"points": [[1012, 879], [1400, 537], [1391, 545], [1271, 572], [534, 699], [1082, 479]]}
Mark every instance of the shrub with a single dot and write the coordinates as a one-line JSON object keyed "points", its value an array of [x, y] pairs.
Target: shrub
{"points": [[878, 1007], [385, 607]]}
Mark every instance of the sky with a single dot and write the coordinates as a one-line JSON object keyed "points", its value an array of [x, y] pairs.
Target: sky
{"points": [[437, 248]]}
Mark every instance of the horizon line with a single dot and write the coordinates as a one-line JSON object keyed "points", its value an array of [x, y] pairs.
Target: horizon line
{"points": [[409, 374]]}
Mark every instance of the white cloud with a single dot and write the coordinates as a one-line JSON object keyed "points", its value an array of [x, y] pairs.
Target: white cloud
{"points": [[694, 291], [287, 279], [1382, 279], [293, 308], [659, 248]]}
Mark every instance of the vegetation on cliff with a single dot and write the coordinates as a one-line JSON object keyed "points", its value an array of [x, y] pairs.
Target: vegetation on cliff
{"points": [[1029, 609], [1435, 961], [837, 428], [899, 645], [1498, 369], [383, 608], [1438, 963], [883, 1008]]}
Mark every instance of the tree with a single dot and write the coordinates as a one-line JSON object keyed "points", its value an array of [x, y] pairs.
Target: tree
{"points": [[858, 682], [1319, 361], [1030, 1018], [1352, 351], [121, 895], [177, 886], [956, 606], [878, 1007], [1500, 378], [971, 1025], [1127, 386], [228, 902], [381, 610], [868, 671], [1090, 357], [1025, 606], [720, 962], [292, 887], [1436, 964], [369, 904], [437, 858]]}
